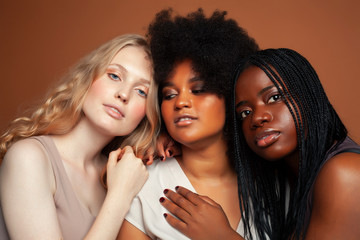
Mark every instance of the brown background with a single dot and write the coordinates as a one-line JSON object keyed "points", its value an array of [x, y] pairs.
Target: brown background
{"points": [[41, 39]]}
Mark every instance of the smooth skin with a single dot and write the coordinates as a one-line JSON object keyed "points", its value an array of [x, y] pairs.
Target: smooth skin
{"points": [[27, 182], [195, 119], [336, 210]]}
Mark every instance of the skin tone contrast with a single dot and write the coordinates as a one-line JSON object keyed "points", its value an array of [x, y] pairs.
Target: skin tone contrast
{"points": [[270, 132]]}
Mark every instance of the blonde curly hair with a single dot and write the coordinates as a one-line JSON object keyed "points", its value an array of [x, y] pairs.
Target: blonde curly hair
{"points": [[62, 108]]}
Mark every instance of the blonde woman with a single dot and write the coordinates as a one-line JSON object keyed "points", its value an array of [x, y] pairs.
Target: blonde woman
{"points": [[52, 159]]}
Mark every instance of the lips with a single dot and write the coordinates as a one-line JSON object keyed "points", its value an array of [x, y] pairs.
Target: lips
{"points": [[114, 111], [184, 120], [267, 138]]}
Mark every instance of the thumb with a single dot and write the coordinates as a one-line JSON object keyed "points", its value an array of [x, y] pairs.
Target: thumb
{"points": [[113, 157]]}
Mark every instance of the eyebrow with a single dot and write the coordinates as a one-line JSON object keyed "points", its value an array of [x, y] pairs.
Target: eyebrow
{"points": [[265, 89], [121, 68], [258, 94]]}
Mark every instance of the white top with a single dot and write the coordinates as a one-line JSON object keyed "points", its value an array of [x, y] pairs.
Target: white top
{"points": [[146, 212]]}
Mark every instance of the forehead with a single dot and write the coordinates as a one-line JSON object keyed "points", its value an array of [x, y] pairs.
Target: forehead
{"points": [[130, 53], [133, 60], [252, 78]]}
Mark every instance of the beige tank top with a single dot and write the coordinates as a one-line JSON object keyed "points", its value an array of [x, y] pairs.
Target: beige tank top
{"points": [[75, 219]]}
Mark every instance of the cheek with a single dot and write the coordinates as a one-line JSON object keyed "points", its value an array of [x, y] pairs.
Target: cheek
{"points": [[165, 113], [247, 133], [138, 110]]}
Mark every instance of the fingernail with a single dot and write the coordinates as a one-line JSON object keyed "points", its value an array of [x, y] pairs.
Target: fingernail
{"points": [[162, 158], [165, 215], [176, 188], [166, 191], [170, 153], [162, 199]]}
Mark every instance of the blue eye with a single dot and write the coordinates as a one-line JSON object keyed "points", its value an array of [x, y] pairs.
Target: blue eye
{"points": [[142, 93], [113, 76]]}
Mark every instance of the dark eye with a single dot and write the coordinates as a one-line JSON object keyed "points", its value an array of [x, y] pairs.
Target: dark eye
{"points": [[243, 114], [168, 93], [274, 98], [168, 96], [113, 76], [198, 91]]}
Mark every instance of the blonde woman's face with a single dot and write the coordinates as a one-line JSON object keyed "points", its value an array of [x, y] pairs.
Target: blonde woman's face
{"points": [[115, 103]]}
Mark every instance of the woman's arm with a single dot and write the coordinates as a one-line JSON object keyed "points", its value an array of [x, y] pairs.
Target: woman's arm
{"points": [[27, 186], [199, 217], [336, 210], [125, 178], [129, 231]]}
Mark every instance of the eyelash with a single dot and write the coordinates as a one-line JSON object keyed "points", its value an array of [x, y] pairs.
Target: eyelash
{"points": [[275, 95], [243, 112], [113, 76], [168, 96], [248, 112], [142, 93]]}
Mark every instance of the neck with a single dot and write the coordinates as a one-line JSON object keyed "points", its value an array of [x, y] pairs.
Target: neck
{"points": [[207, 162], [292, 165], [82, 145]]}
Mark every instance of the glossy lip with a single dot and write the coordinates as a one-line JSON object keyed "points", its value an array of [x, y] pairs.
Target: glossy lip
{"points": [[184, 120], [114, 111], [261, 136]]}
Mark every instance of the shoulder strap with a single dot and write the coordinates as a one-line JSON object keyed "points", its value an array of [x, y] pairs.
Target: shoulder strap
{"points": [[354, 150]]}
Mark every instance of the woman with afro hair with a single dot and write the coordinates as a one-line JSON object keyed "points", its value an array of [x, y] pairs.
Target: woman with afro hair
{"points": [[194, 61], [295, 160]]}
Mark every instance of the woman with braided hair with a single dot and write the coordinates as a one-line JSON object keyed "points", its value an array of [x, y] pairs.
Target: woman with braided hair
{"points": [[298, 169], [304, 168]]}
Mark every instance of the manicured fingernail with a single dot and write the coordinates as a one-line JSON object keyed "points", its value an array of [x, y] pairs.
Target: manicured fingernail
{"points": [[166, 191], [176, 188], [165, 215], [162, 158], [170, 153], [162, 199]]}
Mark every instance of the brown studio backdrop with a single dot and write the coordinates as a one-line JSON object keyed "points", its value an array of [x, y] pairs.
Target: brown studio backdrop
{"points": [[40, 40]]}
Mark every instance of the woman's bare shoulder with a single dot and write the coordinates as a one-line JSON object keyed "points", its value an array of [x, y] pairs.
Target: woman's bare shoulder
{"points": [[336, 198], [26, 157]]}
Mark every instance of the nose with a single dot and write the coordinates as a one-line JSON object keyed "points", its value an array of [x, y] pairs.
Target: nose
{"points": [[183, 100], [259, 117], [123, 94]]}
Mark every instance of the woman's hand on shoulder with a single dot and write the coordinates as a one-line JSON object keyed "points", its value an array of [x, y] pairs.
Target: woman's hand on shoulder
{"points": [[336, 211], [27, 186], [126, 174], [165, 147], [198, 217]]}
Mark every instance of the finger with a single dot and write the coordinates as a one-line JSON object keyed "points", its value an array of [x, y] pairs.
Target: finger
{"points": [[194, 198], [113, 157], [179, 200], [175, 209], [160, 149], [209, 200], [176, 223], [149, 161], [128, 150], [174, 150]]}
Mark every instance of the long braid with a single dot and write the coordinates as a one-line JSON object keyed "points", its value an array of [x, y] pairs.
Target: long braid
{"points": [[318, 127]]}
